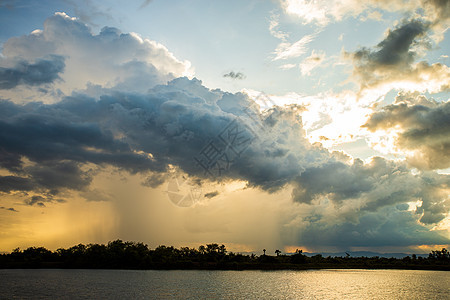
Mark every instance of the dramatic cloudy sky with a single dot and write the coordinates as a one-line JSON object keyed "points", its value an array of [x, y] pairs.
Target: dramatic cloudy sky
{"points": [[278, 124]]}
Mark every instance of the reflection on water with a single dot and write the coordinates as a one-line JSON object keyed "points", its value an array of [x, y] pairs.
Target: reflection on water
{"points": [[312, 284]]}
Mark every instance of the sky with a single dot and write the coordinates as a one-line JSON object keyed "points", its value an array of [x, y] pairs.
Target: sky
{"points": [[266, 124]]}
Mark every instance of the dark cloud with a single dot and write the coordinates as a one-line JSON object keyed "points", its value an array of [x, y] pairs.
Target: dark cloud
{"points": [[394, 59], [9, 208], [15, 183], [395, 48], [335, 179], [212, 194], [394, 52], [424, 128], [233, 75], [43, 71], [10, 161], [145, 4], [39, 200], [52, 133], [380, 183], [440, 9], [177, 125], [389, 227], [53, 175], [169, 125]]}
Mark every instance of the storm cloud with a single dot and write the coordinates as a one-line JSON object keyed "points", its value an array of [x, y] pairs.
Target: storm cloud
{"points": [[146, 132], [389, 227], [172, 125], [41, 72]]}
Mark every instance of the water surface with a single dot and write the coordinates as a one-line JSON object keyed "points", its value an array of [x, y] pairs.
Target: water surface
{"points": [[150, 284]]}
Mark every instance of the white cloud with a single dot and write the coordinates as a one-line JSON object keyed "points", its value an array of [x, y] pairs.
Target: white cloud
{"points": [[273, 28], [308, 11], [311, 62], [110, 58], [287, 50], [374, 15], [287, 66]]}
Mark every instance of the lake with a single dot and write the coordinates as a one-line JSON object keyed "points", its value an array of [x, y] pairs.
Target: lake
{"points": [[178, 284]]}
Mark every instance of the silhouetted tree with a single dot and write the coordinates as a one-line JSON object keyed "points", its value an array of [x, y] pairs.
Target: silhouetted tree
{"points": [[211, 248], [442, 255], [131, 255], [298, 257]]}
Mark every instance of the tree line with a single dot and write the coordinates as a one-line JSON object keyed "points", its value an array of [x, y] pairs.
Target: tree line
{"points": [[132, 255]]}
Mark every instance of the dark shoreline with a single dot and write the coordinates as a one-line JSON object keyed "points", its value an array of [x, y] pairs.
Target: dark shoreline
{"points": [[137, 256]]}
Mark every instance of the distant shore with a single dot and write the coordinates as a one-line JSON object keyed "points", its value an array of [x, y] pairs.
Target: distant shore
{"points": [[130, 255]]}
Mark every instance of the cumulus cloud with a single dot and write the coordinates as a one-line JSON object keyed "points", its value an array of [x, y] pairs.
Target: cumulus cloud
{"points": [[420, 126], [41, 72], [234, 75], [393, 63], [136, 64]]}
